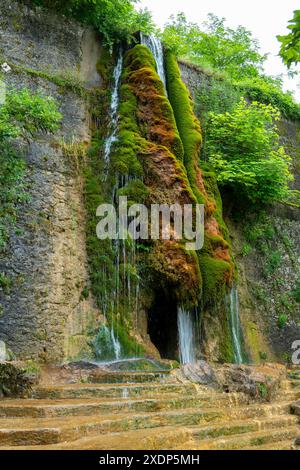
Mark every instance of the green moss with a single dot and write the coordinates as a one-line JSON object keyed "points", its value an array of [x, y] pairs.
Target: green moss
{"points": [[214, 272], [188, 125], [103, 347], [136, 192], [65, 79], [225, 340], [138, 58]]}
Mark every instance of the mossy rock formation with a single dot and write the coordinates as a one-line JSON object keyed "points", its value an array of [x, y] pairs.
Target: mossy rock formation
{"points": [[215, 260]]}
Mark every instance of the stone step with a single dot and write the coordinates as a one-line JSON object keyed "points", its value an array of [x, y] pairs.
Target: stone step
{"points": [[73, 407], [294, 374], [111, 391], [289, 395], [167, 438], [226, 428], [130, 377], [249, 440], [280, 445], [142, 439], [40, 431]]}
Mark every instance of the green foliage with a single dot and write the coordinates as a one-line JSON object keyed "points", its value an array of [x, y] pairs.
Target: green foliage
{"points": [[234, 54], [263, 356], [286, 357], [32, 368], [85, 293], [12, 188], [290, 43], [25, 112], [246, 249], [22, 114], [268, 91], [259, 231], [116, 20], [282, 319], [5, 283], [233, 51], [262, 390], [244, 149], [296, 292], [272, 264]]}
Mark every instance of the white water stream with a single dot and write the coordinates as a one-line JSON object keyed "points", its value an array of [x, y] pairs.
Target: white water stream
{"points": [[235, 325], [114, 105], [186, 336], [155, 46]]}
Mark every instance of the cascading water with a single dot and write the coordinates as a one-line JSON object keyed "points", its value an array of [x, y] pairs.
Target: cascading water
{"points": [[114, 104], [186, 336], [119, 274], [155, 46], [235, 326]]}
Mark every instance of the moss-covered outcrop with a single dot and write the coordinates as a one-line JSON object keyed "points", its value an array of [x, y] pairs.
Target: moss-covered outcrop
{"points": [[149, 140], [215, 261], [216, 264]]}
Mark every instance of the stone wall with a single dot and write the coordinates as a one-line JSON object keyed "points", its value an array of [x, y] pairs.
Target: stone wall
{"points": [[44, 316]]}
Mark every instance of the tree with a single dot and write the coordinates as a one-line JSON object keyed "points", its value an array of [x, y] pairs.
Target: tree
{"points": [[290, 43], [234, 51], [243, 147]]}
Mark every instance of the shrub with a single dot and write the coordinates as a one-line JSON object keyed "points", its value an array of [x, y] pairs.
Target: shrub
{"points": [[244, 149], [233, 51], [246, 249], [267, 91], [282, 319]]}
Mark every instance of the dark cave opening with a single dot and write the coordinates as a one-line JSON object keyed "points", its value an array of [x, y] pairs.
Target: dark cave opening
{"points": [[162, 325]]}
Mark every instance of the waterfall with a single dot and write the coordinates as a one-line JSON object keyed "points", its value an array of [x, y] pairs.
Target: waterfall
{"points": [[235, 325], [106, 344], [155, 46], [114, 104], [186, 336], [116, 344]]}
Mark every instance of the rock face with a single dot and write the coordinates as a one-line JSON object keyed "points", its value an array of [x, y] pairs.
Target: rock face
{"points": [[43, 316], [259, 383], [295, 409], [201, 373]]}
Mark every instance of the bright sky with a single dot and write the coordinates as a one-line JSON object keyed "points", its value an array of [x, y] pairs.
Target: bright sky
{"points": [[265, 18]]}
